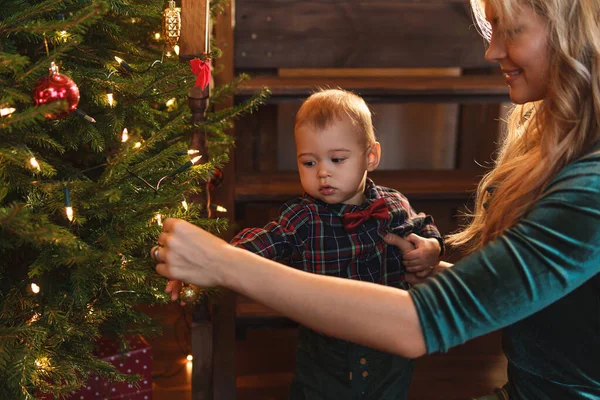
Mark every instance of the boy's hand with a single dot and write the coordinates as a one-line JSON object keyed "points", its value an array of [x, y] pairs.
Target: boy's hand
{"points": [[424, 257]]}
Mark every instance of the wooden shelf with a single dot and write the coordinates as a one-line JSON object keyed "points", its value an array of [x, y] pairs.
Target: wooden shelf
{"points": [[442, 184], [430, 89]]}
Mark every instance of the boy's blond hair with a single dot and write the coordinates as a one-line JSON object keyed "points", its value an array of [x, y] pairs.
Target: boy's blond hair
{"points": [[333, 105]]}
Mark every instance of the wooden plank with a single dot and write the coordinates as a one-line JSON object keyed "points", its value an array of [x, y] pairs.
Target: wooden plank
{"points": [[478, 136], [365, 72], [485, 88], [353, 33], [282, 186], [223, 377]]}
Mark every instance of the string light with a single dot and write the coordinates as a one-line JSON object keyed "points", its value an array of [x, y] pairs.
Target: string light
{"points": [[64, 35], [137, 145], [190, 357], [184, 204], [68, 207], [110, 97], [220, 209], [42, 363], [125, 135], [35, 288], [7, 111], [186, 166], [171, 102], [158, 219], [123, 64], [82, 114], [33, 162], [176, 49], [34, 318], [157, 36]]}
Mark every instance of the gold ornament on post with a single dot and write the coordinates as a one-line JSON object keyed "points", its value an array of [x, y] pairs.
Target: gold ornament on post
{"points": [[171, 24]]}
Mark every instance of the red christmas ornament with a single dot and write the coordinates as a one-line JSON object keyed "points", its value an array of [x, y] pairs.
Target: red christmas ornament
{"points": [[216, 179], [54, 87]]}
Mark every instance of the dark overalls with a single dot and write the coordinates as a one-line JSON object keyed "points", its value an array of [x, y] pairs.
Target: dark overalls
{"points": [[328, 368]]}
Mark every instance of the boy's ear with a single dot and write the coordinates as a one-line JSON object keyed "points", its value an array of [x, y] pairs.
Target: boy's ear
{"points": [[373, 157]]}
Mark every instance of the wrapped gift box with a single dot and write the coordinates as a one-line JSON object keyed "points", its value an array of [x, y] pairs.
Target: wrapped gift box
{"points": [[137, 360]]}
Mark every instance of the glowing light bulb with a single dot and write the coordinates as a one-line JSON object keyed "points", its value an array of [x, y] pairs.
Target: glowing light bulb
{"points": [[176, 49], [170, 102], [125, 135], [110, 98], [69, 211], [220, 209], [185, 205], [196, 159], [33, 162], [190, 357], [158, 219], [123, 64], [157, 36], [35, 288], [191, 151], [7, 111], [137, 145]]}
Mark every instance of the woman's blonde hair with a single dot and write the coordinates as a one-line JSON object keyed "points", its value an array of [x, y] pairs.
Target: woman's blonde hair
{"points": [[330, 105], [544, 136]]}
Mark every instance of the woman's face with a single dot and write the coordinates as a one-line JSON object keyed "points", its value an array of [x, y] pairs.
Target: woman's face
{"points": [[521, 48]]}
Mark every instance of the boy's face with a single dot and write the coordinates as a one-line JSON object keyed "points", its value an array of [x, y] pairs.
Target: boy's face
{"points": [[333, 162]]}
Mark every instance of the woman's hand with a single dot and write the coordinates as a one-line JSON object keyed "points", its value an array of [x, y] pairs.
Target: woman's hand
{"points": [[189, 254]]}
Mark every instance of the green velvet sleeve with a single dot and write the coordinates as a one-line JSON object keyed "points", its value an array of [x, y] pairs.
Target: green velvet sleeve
{"points": [[548, 254]]}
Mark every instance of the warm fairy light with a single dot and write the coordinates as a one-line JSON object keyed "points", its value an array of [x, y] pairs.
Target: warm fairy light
{"points": [[158, 219], [42, 363], [171, 102], [185, 205], [123, 64], [34, 318], [176, 49], [157, 36], [168, 54], [196, 159], [33, 162], [134, 20], [191, 151], [7, 111], [220, 209], [69, 212], [125, 135], [190, 357], [110, 98], [64, 35], [137, 145], [35, 288]]}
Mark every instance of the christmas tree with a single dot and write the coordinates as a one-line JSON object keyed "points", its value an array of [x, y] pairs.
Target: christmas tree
{"points": [[94, 150]]}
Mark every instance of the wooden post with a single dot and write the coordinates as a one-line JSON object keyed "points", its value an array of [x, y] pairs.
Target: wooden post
{"points": [[193, 43], [224, 379]]}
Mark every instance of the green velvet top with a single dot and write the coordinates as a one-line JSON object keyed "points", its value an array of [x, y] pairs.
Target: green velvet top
{"points": [[540, 280]]}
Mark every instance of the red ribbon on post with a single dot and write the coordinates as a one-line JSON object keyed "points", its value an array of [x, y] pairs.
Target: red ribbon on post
{"points": [[201, 69]]}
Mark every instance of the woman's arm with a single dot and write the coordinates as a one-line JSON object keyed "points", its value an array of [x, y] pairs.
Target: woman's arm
{"points": [[373, 315]]}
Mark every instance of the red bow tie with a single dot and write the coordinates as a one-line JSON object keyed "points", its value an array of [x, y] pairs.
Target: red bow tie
{"points": [[377, 210]]}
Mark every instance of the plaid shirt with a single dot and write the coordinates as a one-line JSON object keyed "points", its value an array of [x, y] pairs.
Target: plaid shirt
{"points": [[309, 235]]}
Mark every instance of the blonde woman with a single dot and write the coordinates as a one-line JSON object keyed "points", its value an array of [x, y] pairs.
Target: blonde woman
{"points": [[534, 240]]}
